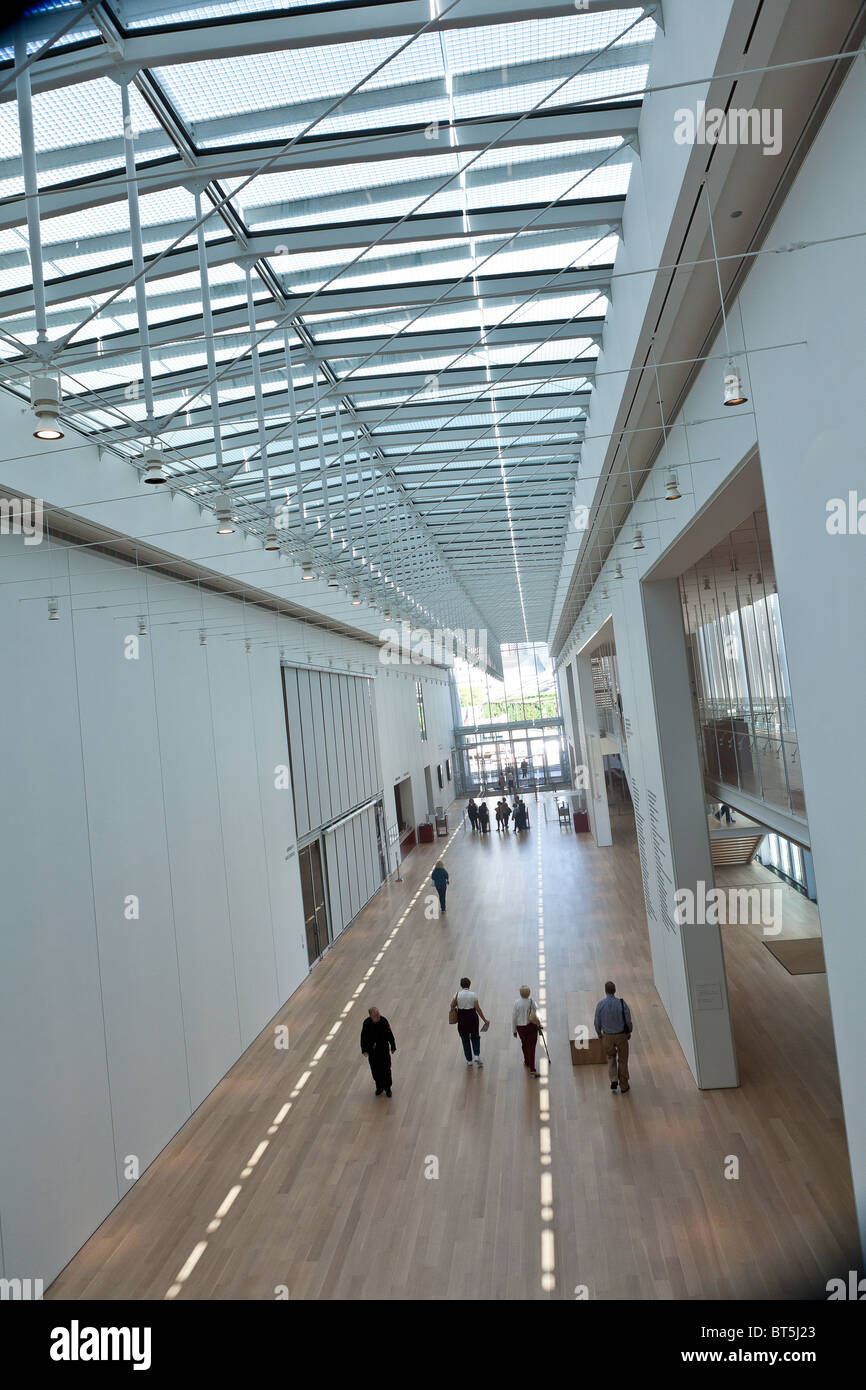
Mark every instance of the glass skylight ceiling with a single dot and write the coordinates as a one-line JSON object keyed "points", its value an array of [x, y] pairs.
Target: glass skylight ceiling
{"points": [[471, 191]]}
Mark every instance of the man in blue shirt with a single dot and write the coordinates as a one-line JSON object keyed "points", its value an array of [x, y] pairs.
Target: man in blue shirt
{"points": [[614, 1026]]}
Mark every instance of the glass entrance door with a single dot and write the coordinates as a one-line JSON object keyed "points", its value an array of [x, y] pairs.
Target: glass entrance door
{"points": [[315, 907]]}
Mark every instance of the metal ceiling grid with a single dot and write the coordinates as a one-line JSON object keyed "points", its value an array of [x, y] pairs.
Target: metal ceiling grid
{"points": [[434, 413]]}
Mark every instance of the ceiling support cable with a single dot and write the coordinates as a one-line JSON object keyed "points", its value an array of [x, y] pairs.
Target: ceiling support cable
{"points": [[260, 405], [31, 194], [137, 254], [323, 469], [296, 447], [381, 554], [349, 538], [365, 558], [207, 320]]}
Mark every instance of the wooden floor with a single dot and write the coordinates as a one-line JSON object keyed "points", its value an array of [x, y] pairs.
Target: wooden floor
{"points": [[293, 1180]]}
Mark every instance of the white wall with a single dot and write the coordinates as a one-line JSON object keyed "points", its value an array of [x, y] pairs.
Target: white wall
{"points": [[401, 749], [156, 778], [805, 416]]}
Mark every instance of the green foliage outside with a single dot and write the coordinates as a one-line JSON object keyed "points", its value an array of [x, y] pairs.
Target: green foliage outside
{"points": [[513, 711]]}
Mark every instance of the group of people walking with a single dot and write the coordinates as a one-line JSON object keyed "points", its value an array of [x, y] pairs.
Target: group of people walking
{"points": [[613, 1021], [613, 1024], [466, 1010], [479, 815]]}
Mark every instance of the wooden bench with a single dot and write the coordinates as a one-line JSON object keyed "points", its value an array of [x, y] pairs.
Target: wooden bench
{"points": [[580, 1011]]}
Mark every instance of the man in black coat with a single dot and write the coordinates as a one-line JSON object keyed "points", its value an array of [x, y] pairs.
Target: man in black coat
{"points": [[377, 1044]]}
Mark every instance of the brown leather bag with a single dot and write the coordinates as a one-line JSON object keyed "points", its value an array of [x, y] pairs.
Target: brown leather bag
{"points": [[452, 1012]]}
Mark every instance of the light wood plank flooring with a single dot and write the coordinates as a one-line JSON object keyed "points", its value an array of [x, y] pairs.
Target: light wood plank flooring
{"points": [[633, 1202]]}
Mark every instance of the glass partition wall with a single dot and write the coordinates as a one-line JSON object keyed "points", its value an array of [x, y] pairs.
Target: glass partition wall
{"points": [[742, 692], [511, 736]]}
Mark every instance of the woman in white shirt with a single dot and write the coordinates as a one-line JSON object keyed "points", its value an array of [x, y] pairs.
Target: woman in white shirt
{"points": [[469, 1011]]}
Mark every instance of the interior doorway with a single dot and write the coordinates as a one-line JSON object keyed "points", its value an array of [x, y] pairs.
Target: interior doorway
{"points": [[315, 901]]}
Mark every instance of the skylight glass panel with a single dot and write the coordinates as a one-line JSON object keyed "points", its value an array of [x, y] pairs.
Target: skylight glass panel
{"points": [[502, 45], [544, 188], [251, 82], [183, 14], [623, 83], [72, 115], [299, 184]]}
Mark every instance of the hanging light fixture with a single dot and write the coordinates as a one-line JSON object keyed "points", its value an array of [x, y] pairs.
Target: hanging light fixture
{"points": [[271, 540], [356, 597], [734, 393], [248, 644], [307, 571], [53, 610], [618, 571], [45, 400], [154, 468], [223, 511], [672, 491], [706, 584], [638, 541], [333, 582], [142, 625], [202, 637]]}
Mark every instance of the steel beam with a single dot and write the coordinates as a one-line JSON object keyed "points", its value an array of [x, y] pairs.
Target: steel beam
{"points": [[234, 36], [315, 152]]}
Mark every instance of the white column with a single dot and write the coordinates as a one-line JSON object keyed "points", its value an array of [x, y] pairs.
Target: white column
{"points": [[590, 742], [682, 806]]}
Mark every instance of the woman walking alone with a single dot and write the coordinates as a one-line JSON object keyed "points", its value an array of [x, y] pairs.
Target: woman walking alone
{"points": [[469, 1011], [440, 882]]}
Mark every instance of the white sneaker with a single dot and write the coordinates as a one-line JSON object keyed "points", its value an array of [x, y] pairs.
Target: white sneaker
{"points": [[478, 1062], [469, 1064]]}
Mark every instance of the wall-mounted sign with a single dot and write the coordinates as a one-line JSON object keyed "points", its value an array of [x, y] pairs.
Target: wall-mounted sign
{"points": [[709, 996]]}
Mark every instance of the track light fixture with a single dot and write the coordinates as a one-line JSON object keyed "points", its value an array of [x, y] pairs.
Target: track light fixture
{"points": [[734, 393], [45, 400], [223, 511], [154, 467], [672, 491]]}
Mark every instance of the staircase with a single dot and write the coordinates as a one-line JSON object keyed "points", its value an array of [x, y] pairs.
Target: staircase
{"points": [[734, 847]]}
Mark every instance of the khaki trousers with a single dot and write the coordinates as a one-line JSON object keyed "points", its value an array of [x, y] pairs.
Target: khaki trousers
{"points": [[616, 1051]]}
